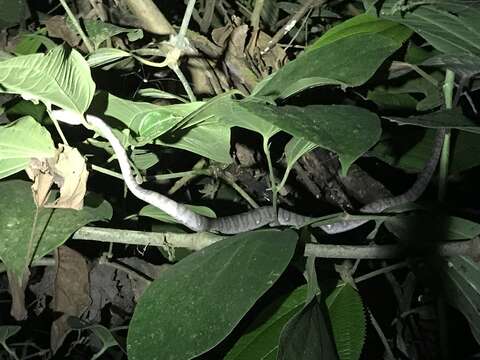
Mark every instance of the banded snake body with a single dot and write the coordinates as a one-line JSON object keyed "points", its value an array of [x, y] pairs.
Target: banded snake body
{"points": [[255, 218]]}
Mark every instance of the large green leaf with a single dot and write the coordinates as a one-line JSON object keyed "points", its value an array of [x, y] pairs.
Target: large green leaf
{"points": [[15, 152], [261, 340], [449, 26], [362, 24], [199, 300], [53, 226], [348, 321], [11, 166], [162, 124], [347, 62], [13, 138], [346, 130], [61, 77], [230, 113], [461, 287]]}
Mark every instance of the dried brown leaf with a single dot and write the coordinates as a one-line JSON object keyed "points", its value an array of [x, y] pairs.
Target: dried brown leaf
{"points": [[39, 170], [71, 292], [70, 174]]}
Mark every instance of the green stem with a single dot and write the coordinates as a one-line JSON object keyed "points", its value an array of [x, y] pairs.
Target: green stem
{"points": [[186, 20], [29, 257], [284, 179], [448, 89], [273, 185], [107, 172], [257, 11], [240, 191], [57, 126], [444, 164], [180, 174], [423, 74], [184, 82], [77, 26]]}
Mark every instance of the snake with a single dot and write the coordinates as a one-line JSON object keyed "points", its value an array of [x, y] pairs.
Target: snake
{"points": [[255, 218]]}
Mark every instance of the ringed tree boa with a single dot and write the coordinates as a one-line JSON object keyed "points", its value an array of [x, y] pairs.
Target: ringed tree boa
{"points": [[255, 218]]}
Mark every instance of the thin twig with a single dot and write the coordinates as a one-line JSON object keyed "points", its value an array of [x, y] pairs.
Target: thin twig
{"points": [[186, 20], [107, 172], [57, 126], [382, 337], [381, 271], [291, 23], [184, 82], [77, 26], [240, 191]]}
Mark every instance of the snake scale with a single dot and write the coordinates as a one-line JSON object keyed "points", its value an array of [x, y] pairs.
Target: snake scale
{"points": [[255, 218]]}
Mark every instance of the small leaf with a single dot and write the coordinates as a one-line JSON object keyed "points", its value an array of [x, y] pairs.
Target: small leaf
{"points": [[403, 97], [452, 228], [105, 56], [98, 31], [348, 321], [105, 336], [440, 119], [31, 43], [261, 338], [147, 120], [143, 159], [466, 65], [461, 287], [157, 214], [199, 300], [7, 331], [306, 336], [296, 148]]}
